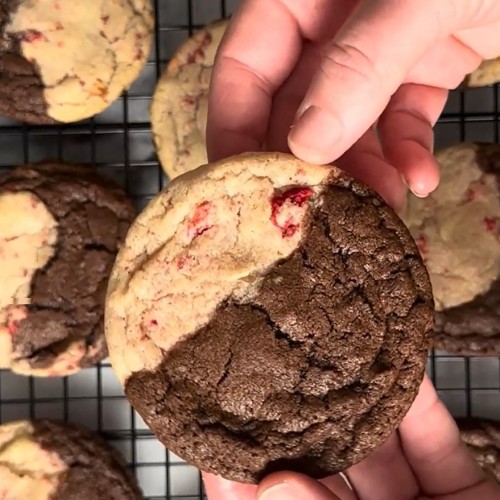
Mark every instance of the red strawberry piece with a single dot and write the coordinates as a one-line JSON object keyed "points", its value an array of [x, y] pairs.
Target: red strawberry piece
{"points": [[490, 223], [296, 196]]}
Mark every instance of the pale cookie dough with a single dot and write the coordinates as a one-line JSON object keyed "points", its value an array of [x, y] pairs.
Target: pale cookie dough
{"points": [[28, 235], [255, 317], [457, 228], [60, 228], [65, 60], [179, 110], [487, 74], [48, 460]]}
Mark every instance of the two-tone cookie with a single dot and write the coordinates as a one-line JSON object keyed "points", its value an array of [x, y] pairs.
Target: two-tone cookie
{"points": [[64, 61], [60, 229], [179, 110], [487, 74], [457, 228], [482, 438], [48, 460], [267, 314]]}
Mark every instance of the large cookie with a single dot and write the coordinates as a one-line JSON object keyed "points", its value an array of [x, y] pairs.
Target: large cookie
{"points": [[179, 110], [487, 74], [60, 229], [48, 460], [482, 437], [66, 60], [458, 231], [267, 314]]}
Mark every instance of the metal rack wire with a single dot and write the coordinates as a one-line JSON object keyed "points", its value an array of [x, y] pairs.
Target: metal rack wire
{"points": [[118, 142]]}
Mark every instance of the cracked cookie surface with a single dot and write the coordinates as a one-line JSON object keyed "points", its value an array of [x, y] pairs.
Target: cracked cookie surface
{"points": [[179, 109], [482, 437], [457, 228], [487, 74], [48, 460], [60, 229], [65, 61], [266, 314]]}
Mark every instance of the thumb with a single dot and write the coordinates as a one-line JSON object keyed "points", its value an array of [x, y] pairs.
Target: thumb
{"points": [[362, 67], [292, 486]]}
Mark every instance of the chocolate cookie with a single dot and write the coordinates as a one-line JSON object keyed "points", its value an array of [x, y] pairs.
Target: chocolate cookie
{"points": [[179, 110], [60, 229], [48, 460], [267, 314], [482, 437], [64, 61], [487, 74], [458, 231]]}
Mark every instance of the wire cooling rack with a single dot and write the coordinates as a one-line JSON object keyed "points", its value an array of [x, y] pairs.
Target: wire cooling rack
{"points": [[118, 142]]}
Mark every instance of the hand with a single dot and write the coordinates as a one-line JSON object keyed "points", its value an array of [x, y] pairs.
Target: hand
{"points": [[425, 459], [334, 68]]}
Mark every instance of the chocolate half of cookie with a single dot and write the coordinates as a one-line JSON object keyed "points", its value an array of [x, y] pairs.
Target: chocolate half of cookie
{"points": [[48, 460], [60, 229], [266, 314], [457, 228], [65, 61], [482, 437]]}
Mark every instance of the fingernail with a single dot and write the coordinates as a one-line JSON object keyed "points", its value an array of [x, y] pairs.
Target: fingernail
{"points": [[280, 491], [418, 193], [315, 136]]}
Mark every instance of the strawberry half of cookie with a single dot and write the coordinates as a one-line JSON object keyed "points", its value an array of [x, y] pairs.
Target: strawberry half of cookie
{"points": [[267, 314]]}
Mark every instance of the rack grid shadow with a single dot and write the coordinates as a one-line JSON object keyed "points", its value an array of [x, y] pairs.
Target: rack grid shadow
{"points": [[118, 142]]}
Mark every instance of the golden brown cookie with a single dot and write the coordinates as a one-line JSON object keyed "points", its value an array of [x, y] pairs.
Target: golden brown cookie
{"points": [[48, 460], [65, 60], [457, 228], [60, 229], [179, 110], [482, 437], [487, 74], [267, 314]]}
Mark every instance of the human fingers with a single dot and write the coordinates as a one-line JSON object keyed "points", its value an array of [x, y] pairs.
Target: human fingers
{"points": [[431, 442], [292, 486], [407, 136], [365, 161], [384, 472], [246, 75], [362, 67], [445, 64], [257, 54], [218, 488], [288, 98], [339, 484]]}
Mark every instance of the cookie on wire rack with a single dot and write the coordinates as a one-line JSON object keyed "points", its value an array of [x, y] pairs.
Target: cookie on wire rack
{"points": [[64, 61], [482, 437], [51, 460], [179, 109], [457, 228], [60, 229], [487, 74], [267, 314]]}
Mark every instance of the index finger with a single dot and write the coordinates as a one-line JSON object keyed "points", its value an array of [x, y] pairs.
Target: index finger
{"points": [[432, 445], [258, 52]]}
